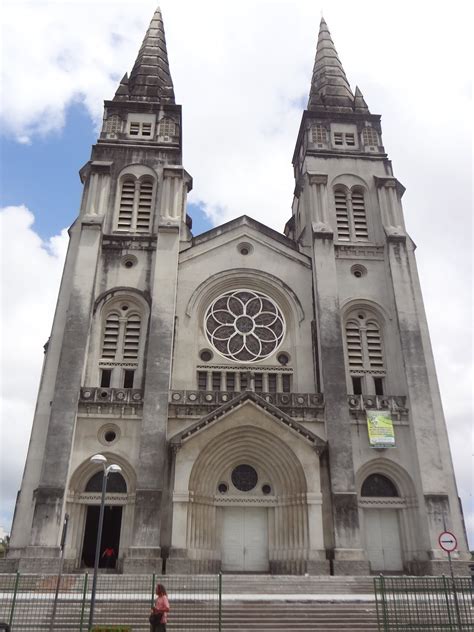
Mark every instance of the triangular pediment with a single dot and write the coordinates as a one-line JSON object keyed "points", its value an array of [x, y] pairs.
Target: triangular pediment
{"points": [[252, 398], [244, 229]]}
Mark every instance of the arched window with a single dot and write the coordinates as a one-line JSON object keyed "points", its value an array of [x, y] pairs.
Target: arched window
{"points": [[364, 348], [115, 483], [351, 217], [380, 486], [135, 205], [120, 346]]}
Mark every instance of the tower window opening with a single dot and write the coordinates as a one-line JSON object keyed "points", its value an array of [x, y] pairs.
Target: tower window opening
{"points": [[134, 128], [136, 197], [120, 347], [351, 218], [146, 129], [105, 377], [338, 138], [128, 377], [356, 385], [342, 216], [378, 385], [258, 382], [365, 354], [350, 140]]}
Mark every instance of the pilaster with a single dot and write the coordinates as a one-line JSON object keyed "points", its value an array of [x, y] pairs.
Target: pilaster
{"points": [[50, 495]]}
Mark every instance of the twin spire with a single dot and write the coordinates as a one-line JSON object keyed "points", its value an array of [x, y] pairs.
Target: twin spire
{"points": [[150, 79], [330, 89]]}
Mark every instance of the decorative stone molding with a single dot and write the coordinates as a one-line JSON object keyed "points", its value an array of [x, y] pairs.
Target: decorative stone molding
{"points": [[396, 404], [306, 406], [128, 242], [391, 183], [94, 499], [322, 230], [255, 501], [112, 395], [110, 401], [317, 178], [370, 503], [260, 402], [359, 252]]}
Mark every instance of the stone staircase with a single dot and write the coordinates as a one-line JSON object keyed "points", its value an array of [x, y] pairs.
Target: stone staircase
{"points": [[302, 604], [249, 603]]}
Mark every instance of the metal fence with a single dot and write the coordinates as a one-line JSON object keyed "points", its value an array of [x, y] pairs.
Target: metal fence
{"points": [[122, 603], [431, 604]]}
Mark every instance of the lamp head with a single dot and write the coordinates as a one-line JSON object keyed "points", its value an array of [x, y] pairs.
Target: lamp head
{"points": [[98, 459], [114, 468]]}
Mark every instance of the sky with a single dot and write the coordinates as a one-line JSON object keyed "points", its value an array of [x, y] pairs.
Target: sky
{"points": [[241, 72]]}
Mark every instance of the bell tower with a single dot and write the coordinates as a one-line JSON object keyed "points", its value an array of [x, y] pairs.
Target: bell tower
{"points": [[113, 329], [371, 340]]}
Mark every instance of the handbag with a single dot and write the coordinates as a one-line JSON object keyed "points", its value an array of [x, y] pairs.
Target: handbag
{"points": [[155, 618]]}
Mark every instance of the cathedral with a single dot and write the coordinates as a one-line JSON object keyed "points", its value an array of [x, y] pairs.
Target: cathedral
{"points": [[271, 398]]}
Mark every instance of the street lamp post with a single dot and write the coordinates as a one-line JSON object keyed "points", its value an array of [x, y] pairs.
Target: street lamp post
{"points": [[99, 459]]}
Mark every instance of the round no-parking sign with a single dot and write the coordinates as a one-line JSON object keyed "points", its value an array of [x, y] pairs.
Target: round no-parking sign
{"points": [[447, 541]]}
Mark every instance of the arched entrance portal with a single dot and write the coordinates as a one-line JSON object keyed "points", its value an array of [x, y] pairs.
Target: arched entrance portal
{"points": [[247, 496], [112, 525]]}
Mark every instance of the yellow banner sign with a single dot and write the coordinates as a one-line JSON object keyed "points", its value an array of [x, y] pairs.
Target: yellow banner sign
{"points": [[380, 427]]}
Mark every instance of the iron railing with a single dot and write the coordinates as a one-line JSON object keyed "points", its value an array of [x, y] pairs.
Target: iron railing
{"points": [[417, 604], [123, 602]]}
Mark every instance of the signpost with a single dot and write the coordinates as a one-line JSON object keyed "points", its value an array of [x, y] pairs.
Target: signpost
{"points": [[449, 543]]}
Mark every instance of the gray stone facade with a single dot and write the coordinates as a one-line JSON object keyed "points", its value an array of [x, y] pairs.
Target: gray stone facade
{"points": [[229, 374]]}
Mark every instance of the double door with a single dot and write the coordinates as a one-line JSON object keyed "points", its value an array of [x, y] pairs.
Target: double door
{"points": [[245, 539], [382, 536]]}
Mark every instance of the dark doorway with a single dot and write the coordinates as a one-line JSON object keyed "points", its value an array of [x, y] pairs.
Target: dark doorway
{"points": [[110, 535]]}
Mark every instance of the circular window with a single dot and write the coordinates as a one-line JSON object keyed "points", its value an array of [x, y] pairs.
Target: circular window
{"points": [[223, 487], [358, 270], [245, 248], [283, 358], [108, 434], [244, 325], [205, 355], [129, 261], [244, 478], [266, 489]]}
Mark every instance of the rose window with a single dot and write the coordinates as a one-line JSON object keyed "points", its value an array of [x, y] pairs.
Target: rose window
{"points": [[244, 325]]}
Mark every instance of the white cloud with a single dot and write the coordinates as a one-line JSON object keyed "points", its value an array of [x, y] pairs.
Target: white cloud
{"points": [[30, 274], [241, 71]]}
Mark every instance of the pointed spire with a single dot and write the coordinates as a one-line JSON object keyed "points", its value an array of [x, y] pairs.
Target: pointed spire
{"points": [[329, 86], [122, 90], [150, 79], [359, 102]]}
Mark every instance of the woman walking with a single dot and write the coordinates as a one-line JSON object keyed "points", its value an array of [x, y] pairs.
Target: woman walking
{"points": [[159, 612]]}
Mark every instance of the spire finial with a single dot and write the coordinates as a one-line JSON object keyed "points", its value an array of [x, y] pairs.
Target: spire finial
{"points": [[150, 79], [329, 86]]}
